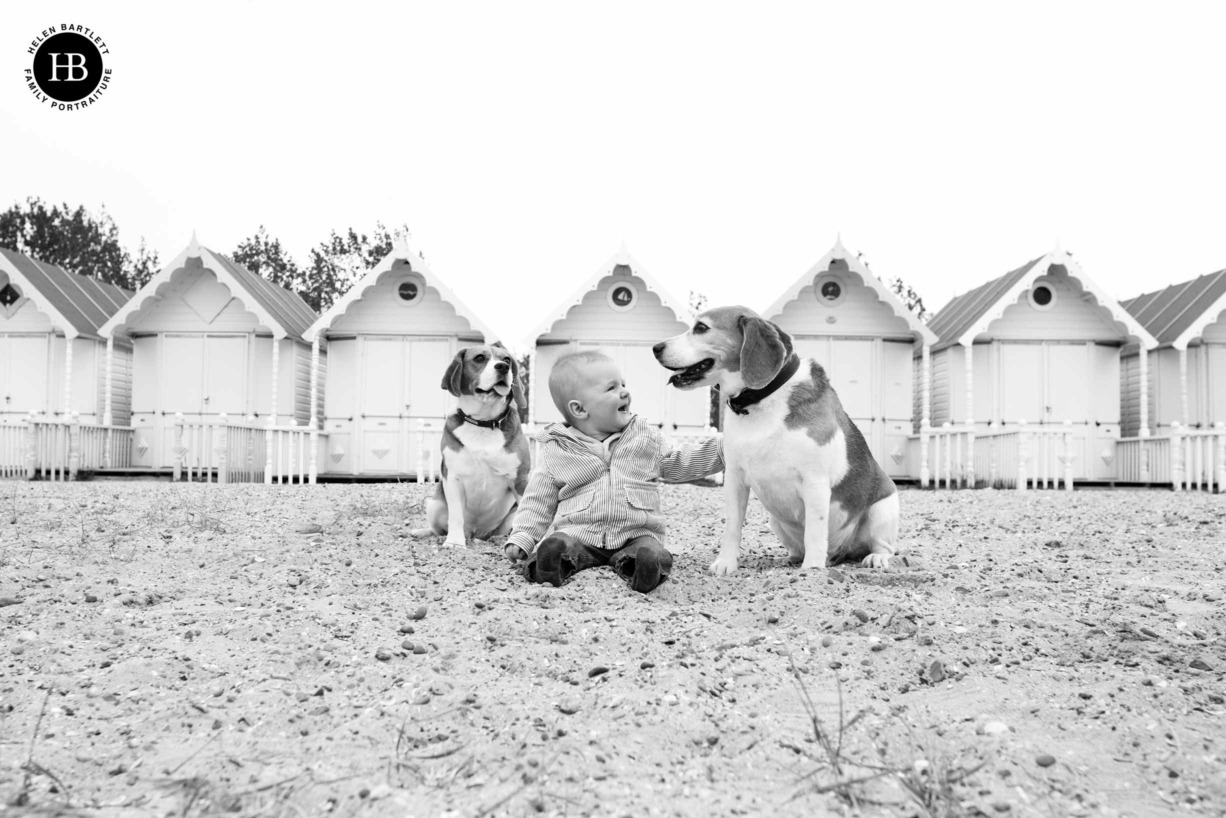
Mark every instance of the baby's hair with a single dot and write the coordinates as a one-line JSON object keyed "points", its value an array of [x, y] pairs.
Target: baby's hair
{"points": [[564, 377]]}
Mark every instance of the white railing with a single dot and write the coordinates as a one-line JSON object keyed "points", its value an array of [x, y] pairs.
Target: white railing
{"points": [[1022, 457], [1198, 458], [1184, 458], [244, 452], [61, 448], [429, 435]]}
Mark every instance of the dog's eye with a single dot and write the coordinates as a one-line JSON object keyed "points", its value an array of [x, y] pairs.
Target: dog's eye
{"points": [[480, 359], [700, 328]]}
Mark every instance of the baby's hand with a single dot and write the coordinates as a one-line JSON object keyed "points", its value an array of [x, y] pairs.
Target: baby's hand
{"points": [[514, 552]]}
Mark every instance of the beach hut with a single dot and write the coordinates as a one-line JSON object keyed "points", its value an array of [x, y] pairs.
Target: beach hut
{"points": [[389, 340], [841, 314], [52, 357], [210, 338], [1026, 372], [622, 310], [53, 360], [1183, 381]]}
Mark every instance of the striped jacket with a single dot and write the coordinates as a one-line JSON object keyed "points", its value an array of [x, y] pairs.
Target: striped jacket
{"points": [[575, 490]]}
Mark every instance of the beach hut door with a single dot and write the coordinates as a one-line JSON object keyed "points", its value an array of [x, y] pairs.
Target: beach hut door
{"points": [[23, 375]]}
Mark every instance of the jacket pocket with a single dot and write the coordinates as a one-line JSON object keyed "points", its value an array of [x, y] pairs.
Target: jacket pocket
{"points": [[643, 498], [575, 503]]}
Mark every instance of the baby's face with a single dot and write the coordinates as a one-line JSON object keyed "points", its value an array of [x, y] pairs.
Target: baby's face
{"points": [[603, 393]]}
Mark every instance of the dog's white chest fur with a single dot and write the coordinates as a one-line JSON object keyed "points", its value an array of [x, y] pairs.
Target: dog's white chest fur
{"points": [[775, 460], [484, 455]]}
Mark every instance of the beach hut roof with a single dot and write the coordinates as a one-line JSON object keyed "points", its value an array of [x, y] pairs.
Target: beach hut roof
{"points": [[969, 314], [282, 311], [78, 304], [1179, 313]]}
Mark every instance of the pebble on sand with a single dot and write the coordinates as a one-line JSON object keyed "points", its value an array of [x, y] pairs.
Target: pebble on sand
{"points": [[420, 613], [569, 706], [597, 671], [382, 654], [1045, 759]]}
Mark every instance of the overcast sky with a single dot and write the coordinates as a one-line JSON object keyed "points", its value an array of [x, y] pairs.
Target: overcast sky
{"points": [[726, 144]]}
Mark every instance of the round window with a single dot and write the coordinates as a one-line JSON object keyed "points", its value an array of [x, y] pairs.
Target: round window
{"points": [[1042, 297], [829, 290], [622, 297], [409, 291]]}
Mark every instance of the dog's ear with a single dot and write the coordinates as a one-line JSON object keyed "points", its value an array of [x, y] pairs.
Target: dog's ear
{"points": [[517, 389], [764, 348], [454, 375]]}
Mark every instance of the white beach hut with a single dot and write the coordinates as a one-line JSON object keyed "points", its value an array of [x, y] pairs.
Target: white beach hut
{"points": [[841, 314], [622, 310], [53, 360], [211, 338], [389, 340], [1180, 387], [1026, 373]]}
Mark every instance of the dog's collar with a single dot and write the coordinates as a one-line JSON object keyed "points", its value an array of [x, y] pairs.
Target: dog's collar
{"points": [[485, 424], [741, 401]]}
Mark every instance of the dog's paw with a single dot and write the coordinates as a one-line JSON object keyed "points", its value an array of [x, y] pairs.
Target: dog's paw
{"points": [[881, 561], [812, 565], [421, 533], [514, 552], [454, 543], [723, 566]]}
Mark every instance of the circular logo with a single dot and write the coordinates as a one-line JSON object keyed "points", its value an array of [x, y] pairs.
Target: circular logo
{"points": [[67, 71]]}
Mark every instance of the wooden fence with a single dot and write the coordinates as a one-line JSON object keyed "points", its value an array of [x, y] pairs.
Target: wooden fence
{"points": [[245, 452], [61, 448]]}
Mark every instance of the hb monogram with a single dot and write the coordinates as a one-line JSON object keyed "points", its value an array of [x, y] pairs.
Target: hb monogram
{"points": [[71, 65]]}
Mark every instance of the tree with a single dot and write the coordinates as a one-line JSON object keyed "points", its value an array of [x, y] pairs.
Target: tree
{"points": [[264, 256], [76, 240], [337, 263], [334, 266], [905, 292]]}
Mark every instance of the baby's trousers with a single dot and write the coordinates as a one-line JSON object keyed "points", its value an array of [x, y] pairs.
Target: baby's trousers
{"points": [[642, 561]]}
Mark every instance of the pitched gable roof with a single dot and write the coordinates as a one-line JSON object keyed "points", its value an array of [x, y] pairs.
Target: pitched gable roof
{"points": [[869, 280], [417, 263], [1179, 313], [282, 311], [78, 305], [621, 258], [969, 314]]}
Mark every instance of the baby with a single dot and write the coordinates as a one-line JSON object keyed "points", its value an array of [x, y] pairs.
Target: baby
{"points": [[595, 490]]}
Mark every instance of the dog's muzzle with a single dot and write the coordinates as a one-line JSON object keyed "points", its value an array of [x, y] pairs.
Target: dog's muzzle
{"points": [[691, 374]]}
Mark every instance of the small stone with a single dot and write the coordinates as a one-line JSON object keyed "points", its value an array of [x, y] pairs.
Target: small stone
{"points": [[406, 628], [310, 528], [420, 613], [295, 581], [406, 644], [597, 671], [860, 614], [382, 654], [1148, 631], [827, 641], [1085, 694], [1200, 664], [993, 728], [348, 563], [646, 665], [1000, 592], [419, 649], [17, 650], [422, 699], [772, 619], [1045, 759], [936, 671], [91, 598], [1001, 806], [5, 601], [569, 706]]}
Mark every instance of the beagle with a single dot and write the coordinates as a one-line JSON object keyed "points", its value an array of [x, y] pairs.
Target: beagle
{"points": [[788, 438], [485, 452]]}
